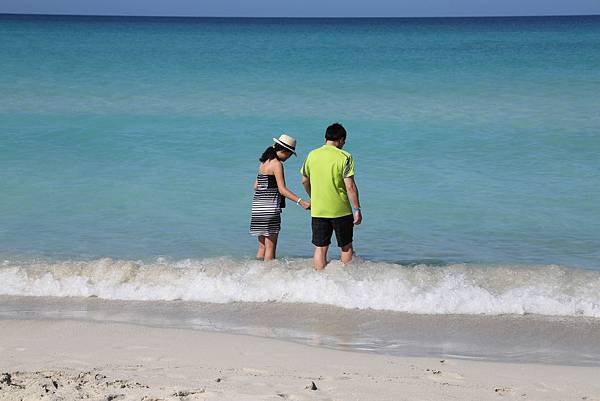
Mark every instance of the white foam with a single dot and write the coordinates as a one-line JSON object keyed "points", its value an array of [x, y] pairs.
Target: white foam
{"points": [[454, 289]]}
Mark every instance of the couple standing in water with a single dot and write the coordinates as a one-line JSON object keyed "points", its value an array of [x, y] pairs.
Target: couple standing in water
{"points": [[327, 177]]}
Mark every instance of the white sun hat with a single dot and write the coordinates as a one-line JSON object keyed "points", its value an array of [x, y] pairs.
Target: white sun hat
{"points": [[287, 142]]}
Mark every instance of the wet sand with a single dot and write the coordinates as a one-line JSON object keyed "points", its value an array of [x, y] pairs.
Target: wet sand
{"points": [[505, 338]]}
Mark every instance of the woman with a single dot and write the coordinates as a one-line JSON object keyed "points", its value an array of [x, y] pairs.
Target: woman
{"points": [[270, 192]]}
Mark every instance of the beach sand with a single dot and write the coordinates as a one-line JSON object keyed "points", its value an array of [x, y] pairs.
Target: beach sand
{"points": [[68, 360]]}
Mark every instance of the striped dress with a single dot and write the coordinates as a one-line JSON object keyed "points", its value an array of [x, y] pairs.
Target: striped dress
{"points": [[266, 207]]}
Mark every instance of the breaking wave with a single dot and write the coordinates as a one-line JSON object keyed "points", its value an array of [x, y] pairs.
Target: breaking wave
{"points": [[421, 289]]}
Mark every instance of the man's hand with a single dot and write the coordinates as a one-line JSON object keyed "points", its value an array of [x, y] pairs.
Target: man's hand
{"points": [[357, 217]]}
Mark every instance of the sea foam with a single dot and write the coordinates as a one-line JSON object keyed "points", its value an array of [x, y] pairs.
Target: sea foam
{"points": [[421, 289]]}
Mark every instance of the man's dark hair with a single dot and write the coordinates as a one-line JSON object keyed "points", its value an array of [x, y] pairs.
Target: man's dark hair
{"points": [[335, 132]]}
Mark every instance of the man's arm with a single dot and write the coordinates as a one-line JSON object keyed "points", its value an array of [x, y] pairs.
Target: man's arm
{"points": [[306, 184], [305, 176], [352, 190]]}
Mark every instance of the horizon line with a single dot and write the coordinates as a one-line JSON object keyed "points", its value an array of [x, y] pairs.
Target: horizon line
{"points": [[296, 17]]}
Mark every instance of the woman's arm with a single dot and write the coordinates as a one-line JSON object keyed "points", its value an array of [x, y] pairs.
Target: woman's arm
{"points": [[283, 190], [255, 184]]}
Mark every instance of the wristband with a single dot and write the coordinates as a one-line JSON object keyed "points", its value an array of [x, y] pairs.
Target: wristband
{"points": [[356, 209], [298, 201]]}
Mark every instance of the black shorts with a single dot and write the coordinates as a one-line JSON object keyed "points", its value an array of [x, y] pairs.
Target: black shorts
{"points": [[322, 229]]}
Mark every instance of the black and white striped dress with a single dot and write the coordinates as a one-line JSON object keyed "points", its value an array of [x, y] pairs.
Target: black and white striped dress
{"points": [[266, 207]]}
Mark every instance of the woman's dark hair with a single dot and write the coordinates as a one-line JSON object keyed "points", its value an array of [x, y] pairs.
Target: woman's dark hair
{"points": [[335, 132], [271, 152]]}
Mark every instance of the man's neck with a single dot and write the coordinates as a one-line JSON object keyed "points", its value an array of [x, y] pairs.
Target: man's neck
{"points": [[333, 143]]}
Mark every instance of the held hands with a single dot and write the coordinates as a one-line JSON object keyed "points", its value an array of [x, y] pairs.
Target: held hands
{"points": [[357, 217], [304, 204]]}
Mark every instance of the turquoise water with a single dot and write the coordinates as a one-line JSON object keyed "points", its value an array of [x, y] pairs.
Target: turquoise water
{"points": [[476, 140]]}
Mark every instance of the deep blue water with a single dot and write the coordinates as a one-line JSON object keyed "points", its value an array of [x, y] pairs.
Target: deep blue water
{"points": [[475, 139]]}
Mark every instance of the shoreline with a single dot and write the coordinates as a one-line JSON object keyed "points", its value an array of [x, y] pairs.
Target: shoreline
{"points": [[511, 338], [72, 359]]}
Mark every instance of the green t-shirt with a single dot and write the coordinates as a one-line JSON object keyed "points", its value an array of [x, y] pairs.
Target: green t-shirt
{"points": [[326, 168]]}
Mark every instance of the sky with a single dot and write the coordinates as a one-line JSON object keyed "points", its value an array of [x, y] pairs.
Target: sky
{"points": [[304, 8]]}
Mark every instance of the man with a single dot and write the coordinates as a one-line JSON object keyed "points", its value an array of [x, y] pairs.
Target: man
{"points": [[328, 177]]}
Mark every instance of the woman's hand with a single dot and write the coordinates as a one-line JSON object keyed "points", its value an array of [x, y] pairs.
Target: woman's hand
{"points": [[305, 204]]}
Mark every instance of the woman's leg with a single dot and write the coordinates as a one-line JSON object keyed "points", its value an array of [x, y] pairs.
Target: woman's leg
{"points": [[260, 254], [270, 246]]}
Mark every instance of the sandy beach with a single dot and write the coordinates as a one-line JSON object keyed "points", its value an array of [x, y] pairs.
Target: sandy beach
{"points": [[68, 360]]}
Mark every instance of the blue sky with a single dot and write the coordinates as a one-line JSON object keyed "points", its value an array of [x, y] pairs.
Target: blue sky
{"points": [[320, 8]]}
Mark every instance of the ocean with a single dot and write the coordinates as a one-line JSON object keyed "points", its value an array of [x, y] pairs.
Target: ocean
{"points": [[129, 147]]}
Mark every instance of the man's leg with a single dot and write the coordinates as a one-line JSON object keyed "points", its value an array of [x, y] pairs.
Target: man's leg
{"points": [[320, 258], [322, 229], [344, 231], [346, 253]]}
